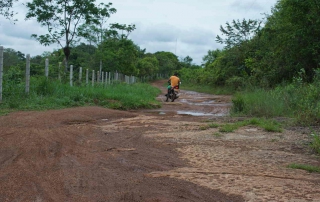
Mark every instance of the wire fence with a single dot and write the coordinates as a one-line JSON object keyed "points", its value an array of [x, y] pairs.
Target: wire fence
{"points": [[80, 76]]}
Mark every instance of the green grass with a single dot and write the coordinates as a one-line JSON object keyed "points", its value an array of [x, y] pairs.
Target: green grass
{"points": [[228, 128], [315, 144], [266, 124], [217, 134], [45, 94], [308, 168], [210, 125], [213, 125], [297, 100]]}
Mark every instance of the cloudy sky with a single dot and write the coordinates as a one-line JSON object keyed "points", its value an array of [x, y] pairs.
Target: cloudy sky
{"points": [[183, 27]]}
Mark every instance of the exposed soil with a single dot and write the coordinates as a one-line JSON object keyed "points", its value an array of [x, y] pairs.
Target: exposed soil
{"points": [[162, 155]]}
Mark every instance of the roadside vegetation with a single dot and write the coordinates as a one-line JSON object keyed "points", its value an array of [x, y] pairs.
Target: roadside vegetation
{"points": [[45, 94], [266, 124], [309, 168]]}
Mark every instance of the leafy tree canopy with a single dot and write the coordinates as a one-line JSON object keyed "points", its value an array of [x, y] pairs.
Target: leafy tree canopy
{"points": [[6, 8], [62, 19], [237, 32]]}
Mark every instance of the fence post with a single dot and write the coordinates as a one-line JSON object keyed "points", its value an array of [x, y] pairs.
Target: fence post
{"points": [[80, 74], [92, 77], [59, 75], [1, 71], [102, 78], [46, 70], [106, 79], [71, 75], [87, 77], [28, 74]]}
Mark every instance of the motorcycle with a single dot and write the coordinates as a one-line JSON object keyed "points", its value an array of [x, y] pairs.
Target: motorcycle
{"points": [[173, 93]]}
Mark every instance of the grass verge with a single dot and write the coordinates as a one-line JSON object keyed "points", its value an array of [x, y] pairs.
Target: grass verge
{"points": [[266, 124], [45, 94], [315, 144], [309, 168]]}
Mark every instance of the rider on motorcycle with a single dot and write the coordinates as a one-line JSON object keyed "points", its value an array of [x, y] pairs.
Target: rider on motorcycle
{"points": [[174, 81]]}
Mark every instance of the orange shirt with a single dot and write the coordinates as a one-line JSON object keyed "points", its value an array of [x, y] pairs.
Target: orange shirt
{"points": [[174, 81]]}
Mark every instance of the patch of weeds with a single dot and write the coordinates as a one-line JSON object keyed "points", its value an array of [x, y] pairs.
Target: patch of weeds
{"points": [[4, 112], [14, 104], [228, 128], [267, 125], [274, 140], [270, 126], [213, 125], [309, 168], [217, 134], [204, 127], [315, 144]]}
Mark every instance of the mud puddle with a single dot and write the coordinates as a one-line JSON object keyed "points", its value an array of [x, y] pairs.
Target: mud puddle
{"points": [[195, 104]]}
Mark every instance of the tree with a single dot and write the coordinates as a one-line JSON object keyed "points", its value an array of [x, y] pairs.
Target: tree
{"points": [[62, 19], [293, 31], [95, 33], [168, 62], [148, 65], [5, 8], [211, 56], [187, 62], [12, 58], [238, 32], [120, 55]]}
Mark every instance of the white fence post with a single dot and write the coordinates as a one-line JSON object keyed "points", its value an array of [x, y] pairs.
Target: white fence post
{"points": [[46, 70], [98, 78], [80, 74], [28, 73], [71, 75], [87, 77], [1, 71], [102, 77], [92, 77], [106, 80]]}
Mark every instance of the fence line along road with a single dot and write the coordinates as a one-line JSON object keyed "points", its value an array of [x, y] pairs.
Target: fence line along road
{"points": [[102, 78]]}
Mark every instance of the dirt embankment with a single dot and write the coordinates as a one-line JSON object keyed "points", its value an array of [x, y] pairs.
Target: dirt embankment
{"points": [[97, 154]]}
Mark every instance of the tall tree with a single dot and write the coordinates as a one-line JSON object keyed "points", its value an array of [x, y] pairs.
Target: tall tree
{"points": [[293, 31], [62, 19], [238, 32]]}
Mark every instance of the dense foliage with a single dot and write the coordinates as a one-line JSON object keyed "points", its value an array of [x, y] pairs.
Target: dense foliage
{"points": [[287, 44]]}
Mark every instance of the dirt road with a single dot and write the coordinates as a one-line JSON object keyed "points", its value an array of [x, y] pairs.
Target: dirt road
{"points": [[163, 155]]}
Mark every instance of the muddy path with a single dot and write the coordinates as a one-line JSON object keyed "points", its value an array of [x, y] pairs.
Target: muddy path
{"points": [[161, 155]]}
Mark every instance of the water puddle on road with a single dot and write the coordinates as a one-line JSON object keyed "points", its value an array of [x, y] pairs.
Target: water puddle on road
{"points": [[195, 113], [195, 104]]}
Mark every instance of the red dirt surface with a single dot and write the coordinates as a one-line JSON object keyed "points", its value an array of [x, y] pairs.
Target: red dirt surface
{"points": [[97, 154]]}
